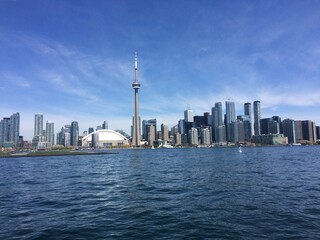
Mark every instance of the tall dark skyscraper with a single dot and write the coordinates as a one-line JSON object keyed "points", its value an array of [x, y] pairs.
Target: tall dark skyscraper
{"points": [[230, 117], [74, 135], [248, 124], [257, 117], [289, 130], [136, 122]]}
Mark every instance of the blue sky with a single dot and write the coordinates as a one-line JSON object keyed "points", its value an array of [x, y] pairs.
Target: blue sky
{"points": [[74, 60]]}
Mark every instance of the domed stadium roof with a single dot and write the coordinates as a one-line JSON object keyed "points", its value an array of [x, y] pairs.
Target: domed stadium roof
{"points": [[104, 138]]}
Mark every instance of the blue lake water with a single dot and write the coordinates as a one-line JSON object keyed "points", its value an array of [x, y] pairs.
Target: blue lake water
{"points": [[263, 192]]}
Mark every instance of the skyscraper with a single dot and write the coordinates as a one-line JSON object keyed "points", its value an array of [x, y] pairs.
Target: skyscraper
{"points": [[248, 112], [10, 130], [289, 130], [165, 132], [193, 136], [257, 117], [136, 87], [38, 124], [74, 134], [188, 115], [145, 124], [230, 117], [50, 133], [15, 128], [218, 127]]}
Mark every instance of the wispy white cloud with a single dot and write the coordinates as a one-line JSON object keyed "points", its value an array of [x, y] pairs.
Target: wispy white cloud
{"points": [[13, 79]]}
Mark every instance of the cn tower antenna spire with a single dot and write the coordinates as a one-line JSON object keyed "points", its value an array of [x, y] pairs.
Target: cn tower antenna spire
{"points": [[135, 67], [135, 61]]}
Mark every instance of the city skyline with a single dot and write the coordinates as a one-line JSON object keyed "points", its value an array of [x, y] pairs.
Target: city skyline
{"points": [[221, 130], [74, 62]]}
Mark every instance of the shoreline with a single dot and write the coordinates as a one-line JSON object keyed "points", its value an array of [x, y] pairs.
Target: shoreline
{"points": [[55, 154]]}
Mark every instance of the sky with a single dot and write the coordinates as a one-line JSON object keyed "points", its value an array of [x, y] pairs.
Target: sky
{"points": [[74, 60]]}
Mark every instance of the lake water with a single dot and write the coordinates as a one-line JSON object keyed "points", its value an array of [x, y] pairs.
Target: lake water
{"points": [[263, 192]]}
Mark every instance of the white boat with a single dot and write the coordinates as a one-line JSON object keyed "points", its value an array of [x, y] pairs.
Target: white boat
{"points": [[240, 150]]}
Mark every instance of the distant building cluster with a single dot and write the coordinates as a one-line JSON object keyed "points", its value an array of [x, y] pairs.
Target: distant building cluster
{"points": [[217, 128], [227, 128]]}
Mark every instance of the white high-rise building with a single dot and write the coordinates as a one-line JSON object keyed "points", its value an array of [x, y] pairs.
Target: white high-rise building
{"points": [[188, 115], [38, 124], [193, 135], [50, 133], [205, 136]]}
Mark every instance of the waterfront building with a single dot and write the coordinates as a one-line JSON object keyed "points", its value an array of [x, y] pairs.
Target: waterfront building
{"points": [[200, 121], [270, 139], [67, 139], [10, 130], [38, 124], [230, 118], [273, 127], [74, 134], [15, 129], [164, 132], [220, 133], [305, 131], [278, 120], [145, 124], [39, 142], [177, 138], [64, 136], [257, 117], [50, 134], [184, 138], [217, 123], [218, 115], [205, 136], [136, 120], [241, 131], [151, 134], [264, 122], [288, 126], [248, 112], [193, 136], [181, 126], [318, 132], [245, 128], [234, 131], [174, 130]]}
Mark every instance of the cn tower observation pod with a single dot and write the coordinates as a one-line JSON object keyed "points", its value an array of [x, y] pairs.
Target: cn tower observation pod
{"points": [[105, 138]]}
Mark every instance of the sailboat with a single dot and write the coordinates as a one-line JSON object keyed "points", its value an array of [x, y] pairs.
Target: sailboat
{"points": [[240, 150]]}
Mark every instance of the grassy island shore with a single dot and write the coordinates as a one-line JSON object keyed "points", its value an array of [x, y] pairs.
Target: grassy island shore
{"points": [[52, 153]]}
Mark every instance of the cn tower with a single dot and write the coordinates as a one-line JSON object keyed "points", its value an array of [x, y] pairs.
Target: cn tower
{"points": [[136, 122]]}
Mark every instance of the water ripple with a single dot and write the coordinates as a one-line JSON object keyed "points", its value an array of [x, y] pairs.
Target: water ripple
{"points": [[268, 193]]}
